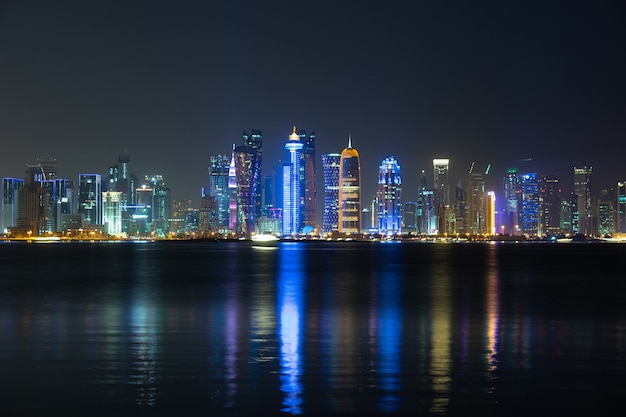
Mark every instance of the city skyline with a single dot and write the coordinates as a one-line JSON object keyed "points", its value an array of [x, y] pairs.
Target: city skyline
{"points": [[172, 84]]}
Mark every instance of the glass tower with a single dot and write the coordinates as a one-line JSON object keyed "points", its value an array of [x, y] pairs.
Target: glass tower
{"points": [[330, 164], [530, 203], [10, 189], [255, 141], [389, 197], [582, 194], [621, 207], [219, 166], [349, 190], [293, 203], [90, 198]]}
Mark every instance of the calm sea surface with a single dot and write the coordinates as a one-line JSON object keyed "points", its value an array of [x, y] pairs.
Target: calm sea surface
{"points": [[312, 328]]}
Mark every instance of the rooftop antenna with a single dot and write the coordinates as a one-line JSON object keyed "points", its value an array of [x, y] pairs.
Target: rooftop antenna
{"points": [[349, 141]]}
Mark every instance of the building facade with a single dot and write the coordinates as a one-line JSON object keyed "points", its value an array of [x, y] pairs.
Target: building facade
{"points": [[349, 190], [389, 197], [330, 165]]}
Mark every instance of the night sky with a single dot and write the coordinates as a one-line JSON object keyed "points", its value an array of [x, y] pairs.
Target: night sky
{"points": [[170, 83]]}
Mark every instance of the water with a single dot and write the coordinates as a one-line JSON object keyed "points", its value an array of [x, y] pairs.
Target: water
{"points": [[312, 328]]}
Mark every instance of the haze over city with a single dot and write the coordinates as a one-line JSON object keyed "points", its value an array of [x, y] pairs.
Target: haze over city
{"points": [[170, 83]]}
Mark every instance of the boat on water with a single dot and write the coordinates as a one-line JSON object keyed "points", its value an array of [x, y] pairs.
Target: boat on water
{"points": [[264, 239]]}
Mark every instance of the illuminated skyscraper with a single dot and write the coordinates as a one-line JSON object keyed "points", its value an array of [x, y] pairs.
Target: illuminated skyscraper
{"points": [[621, 207], [490, 213], [246, 169], [112, 212], [330, 164], [549, 206], [90, 198], [441, 193], [123, 180], [409, 218], [582, 217], [10, 200], [512, 202], [389, 197], [232, 193], [161, 204], [293, 175], [530, 203], [255, 141], [606, 212], [421, 213], [310, 172], [218, 190], [349, 190], [32, 203]]}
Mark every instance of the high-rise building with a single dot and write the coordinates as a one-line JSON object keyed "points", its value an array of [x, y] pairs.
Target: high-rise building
{"points": [[232, 194], [161, 204], [549, 206], [582, 192], [409, 218], [606, 212], [530, 203], [566, 217], [349, 190], [246, 170], [10, 202], [421, 213], [112, 212], [490, 213], [90, 198], [441, 193], [219, 166], [123, 180], [389, 197], [32, 207], [476, 204], [293, 176], [255, 141], [511, 211], [621, 207], [330, 164], [310, 173]]}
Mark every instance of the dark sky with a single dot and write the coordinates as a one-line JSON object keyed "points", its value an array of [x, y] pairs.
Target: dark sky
{"points": [[174, 82]]}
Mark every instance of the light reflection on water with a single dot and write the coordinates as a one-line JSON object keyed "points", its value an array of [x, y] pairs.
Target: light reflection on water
{"points": [[290, 304], [307, 329]]}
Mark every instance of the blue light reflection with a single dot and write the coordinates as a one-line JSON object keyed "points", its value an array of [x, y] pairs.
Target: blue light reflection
{"points": [[290, 300]]}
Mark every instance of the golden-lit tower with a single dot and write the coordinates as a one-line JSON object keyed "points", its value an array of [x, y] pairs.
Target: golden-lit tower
{"points": [[349, 190]]}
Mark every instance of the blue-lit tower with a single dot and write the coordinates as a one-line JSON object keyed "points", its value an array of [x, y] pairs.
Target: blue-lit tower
{"points": [[530, 203], [330, 165], [620, 226], [293, 201], [389, 197]]}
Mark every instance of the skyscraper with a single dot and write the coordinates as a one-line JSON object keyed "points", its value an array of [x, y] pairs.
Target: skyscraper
{"points": [[389, 197], [549, 206], [293, 174], [255, 141], [310, 172], [349, 190], [90, 198], [219, 166], [330, 164], [621, 207], [530, 203], [421, 213], [161, 204], [246, 169], [10, 200], [512, 202], [441, 193], [582, 193], [112, 212]]}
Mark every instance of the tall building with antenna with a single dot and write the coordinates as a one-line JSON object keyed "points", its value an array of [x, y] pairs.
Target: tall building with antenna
{"points": [[293, 173]]}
